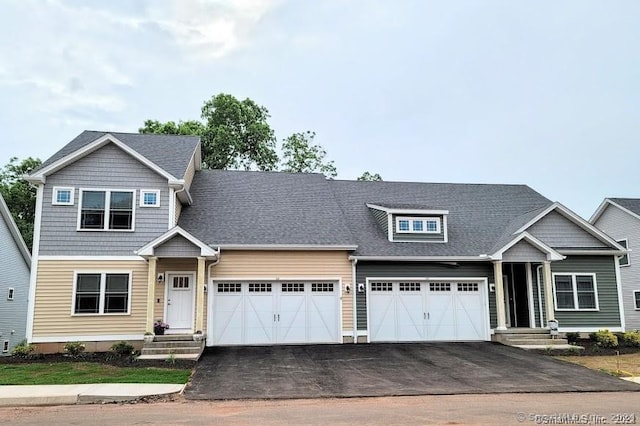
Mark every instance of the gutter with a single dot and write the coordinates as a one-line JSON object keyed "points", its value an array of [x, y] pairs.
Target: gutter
{"points": [[179, 186]]}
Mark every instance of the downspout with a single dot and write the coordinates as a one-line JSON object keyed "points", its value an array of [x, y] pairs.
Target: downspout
{"points": [[538, 268], [354, 290], [209, 295]]}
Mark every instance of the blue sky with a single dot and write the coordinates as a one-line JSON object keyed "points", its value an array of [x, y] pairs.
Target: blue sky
{"points": [[544, 93]]}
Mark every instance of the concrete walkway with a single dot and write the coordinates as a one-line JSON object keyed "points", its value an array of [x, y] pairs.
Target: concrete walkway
{"points": [[82, 394]]}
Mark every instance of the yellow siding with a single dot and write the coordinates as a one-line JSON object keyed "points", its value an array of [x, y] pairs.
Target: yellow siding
{"points": [[293, 264], [54, 294]]}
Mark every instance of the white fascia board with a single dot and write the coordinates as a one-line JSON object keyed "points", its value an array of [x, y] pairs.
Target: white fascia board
{"points": [[564, 211], [15, 232], [287, 247], [180, 190], [570, 252], [40, 176], [422, 258], [408, 211], [550, 252], [148, 250]]}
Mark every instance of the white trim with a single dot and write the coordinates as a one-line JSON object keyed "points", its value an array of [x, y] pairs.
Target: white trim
{"points": [[205, 250], [592, 252], [422, 258], [620, 295], [292, 247], [436, 212], [445, 231], [540, 308], [389, 227], [103, 283], [40, 175], [568, 214], [532, 315], [363, 333], [412, 219], [587, 329], [214, 280], [33, 279], [626, 246], [90, 258], [156, 192], [635, 305], [107, 209], [193, 275], [58, 189], [172, 208], [347, 333], [88, 338], [11, 293], [602, 207], [354, 308], [574, 286], [550, 252]]}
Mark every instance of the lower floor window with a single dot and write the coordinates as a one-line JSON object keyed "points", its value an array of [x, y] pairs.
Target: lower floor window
{"points": [[575, 291], [102, 293], [636, 296]]}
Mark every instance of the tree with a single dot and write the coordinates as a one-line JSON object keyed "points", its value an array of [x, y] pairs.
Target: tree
{"points": [[301, 155], [370, 177], [235, 134], [20, 195]]}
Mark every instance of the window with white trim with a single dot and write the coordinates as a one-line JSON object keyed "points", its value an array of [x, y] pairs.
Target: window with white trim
{"points": [[10, 293], [62, 196], [106, 210], [636, 299], [624, 260], [418, 225], [5, 346], [575, 292], [98, 293], [149, 198]]}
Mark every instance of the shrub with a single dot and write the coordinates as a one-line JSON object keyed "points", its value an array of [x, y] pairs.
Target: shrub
{"points": [[606, 339], [74, 349], [122, 349], [23, 349], [631, 339], [572, 336]]}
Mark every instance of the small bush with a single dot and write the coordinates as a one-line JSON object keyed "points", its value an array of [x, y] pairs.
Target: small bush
{"points": [[606, 339], [572, 336], [74, 349], [23, 349], [631, 339], [122, 349]]}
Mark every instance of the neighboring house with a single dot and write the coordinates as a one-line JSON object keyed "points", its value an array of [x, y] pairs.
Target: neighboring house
{"points": [[620, 218], [14, 282], [129, 231]]}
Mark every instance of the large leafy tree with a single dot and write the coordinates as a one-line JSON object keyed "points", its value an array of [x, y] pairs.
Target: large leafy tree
{"points": [[235, 134], [301, 155], [370, 177], [20, 195]]}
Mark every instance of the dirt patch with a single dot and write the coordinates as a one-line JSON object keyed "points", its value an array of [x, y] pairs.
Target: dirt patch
{"points": [[107, 358], [619, 365]]}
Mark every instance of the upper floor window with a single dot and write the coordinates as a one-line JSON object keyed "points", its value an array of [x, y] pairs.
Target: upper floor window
{"points": [[149, 198], [636, 299], [106, 210], [624, 260], [575, 292], [62, 196], [423, 225]]}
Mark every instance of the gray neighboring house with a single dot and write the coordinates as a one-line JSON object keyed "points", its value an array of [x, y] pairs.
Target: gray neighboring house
{"points": [[14, 282], [620, 218]]}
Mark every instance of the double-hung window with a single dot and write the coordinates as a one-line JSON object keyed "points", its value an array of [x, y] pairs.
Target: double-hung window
{"points": [[102, 293], [106, 210], [575, 292], [418, 225], [624, 260], [636, 299]]}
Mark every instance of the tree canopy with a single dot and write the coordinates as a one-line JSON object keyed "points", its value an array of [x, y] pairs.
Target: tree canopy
{"points": [[370, 177], [20, 195], [301, 155]]}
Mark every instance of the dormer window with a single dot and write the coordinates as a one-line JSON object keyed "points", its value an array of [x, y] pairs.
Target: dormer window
{"points": [[418, 225]]}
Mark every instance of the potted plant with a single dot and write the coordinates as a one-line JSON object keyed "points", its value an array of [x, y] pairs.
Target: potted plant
{"points": [[148, 337], [159, 327], [197, 336]]}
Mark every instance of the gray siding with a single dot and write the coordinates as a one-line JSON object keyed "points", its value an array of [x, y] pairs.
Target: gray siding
{"points": [[557, 231], [14, 273], [366, 270], [108, 168], [177, 246], [523, 252], [417, 237], [381, 218], [620, 225], [604, 268]]}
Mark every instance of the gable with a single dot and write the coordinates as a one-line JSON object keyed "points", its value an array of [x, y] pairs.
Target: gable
{"points": [[523, 251], [557, 231], [178, 246]]}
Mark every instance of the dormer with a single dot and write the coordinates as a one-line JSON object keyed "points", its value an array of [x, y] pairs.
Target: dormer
{"points": [[411, 223]]}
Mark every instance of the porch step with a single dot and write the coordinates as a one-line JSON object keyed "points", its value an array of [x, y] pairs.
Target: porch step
{"points": [[173, 337], [178, 346], [524, 330], [539, 342], [559, 347], [169, 351], [193, 357], [173, 344]]}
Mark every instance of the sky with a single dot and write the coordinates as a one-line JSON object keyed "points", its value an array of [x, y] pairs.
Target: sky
{"points": [[543, 93]]}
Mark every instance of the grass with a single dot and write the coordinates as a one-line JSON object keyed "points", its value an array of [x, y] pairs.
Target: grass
{"points": [[67, 373], [621, 365]]}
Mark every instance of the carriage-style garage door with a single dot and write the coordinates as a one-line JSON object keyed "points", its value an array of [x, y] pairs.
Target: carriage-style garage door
{"points": [[266, 313], [420, 311]]}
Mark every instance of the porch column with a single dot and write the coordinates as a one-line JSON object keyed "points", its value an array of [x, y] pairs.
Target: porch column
{"points": [[548, 291], [200, 294], [151, 293], [497, 276]]}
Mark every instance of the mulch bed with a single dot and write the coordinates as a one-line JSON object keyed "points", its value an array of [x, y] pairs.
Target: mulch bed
{"points": [[592, 349], [99, 357]]}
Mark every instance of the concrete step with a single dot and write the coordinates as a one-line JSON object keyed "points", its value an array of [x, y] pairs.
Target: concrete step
{"points": [[169, 351], [560, 347], [527, 336], [172, 344], [523, 331], [172, 337], [541, 342], [193, 357]]}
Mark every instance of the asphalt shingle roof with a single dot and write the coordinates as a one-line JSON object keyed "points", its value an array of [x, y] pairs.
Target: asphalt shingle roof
{"points": [[169, 152], [632, 204]]}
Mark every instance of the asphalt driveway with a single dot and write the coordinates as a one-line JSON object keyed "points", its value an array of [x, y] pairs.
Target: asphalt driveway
{"points": [[387, 370]]}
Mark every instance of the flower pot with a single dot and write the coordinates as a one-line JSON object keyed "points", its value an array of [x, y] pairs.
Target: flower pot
{"points": [[148, 338], [197, 337]]}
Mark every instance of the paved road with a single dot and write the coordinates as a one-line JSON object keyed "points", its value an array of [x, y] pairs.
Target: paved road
{"points": [[517, 409], [387, 370]]}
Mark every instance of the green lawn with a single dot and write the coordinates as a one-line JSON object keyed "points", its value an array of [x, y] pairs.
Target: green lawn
{"points": [[66, 373]]}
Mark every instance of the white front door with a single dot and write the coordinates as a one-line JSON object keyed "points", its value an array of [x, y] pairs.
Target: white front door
{"points": [[180, 298]]}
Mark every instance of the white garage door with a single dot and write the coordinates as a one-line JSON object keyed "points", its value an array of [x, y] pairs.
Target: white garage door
{"points": [[422, 311], [265, 313]]}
